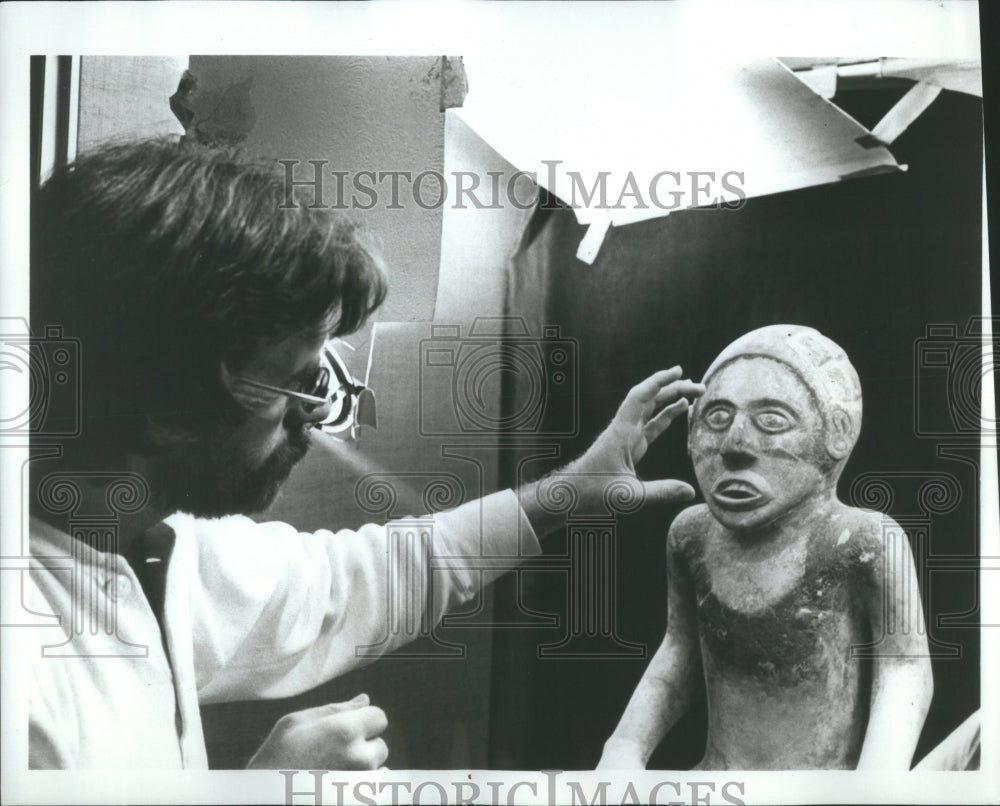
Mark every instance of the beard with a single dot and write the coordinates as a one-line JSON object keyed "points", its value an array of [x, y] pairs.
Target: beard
{"points": [[214, 477]]}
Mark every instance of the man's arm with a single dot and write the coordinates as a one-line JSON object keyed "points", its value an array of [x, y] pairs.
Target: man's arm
{"points": [[671, 681], [274, 612], [902, 683]]}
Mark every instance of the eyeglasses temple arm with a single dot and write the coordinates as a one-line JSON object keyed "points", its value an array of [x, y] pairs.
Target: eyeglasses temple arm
{"points": [[280, 391]]}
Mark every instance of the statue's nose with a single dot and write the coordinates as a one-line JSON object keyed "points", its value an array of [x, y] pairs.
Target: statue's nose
{"points": [[736, 453]]}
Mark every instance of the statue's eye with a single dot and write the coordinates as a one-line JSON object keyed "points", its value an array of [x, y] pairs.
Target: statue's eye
{"points": [[718, 418], [773, 421]]}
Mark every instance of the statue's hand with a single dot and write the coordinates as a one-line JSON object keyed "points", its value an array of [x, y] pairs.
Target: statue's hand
{"points": [[335, 736], [648, 409]]}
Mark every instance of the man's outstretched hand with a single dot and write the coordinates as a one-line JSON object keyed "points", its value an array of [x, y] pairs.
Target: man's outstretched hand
{"points": [[648, 409]]}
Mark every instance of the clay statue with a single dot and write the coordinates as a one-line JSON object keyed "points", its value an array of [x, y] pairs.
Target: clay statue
{"points": [[799, 615]]}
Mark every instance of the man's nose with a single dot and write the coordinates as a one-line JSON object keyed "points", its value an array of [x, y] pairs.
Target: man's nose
{"points": [[736, 453]]}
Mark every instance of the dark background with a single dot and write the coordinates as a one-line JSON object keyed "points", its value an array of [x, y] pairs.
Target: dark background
{"points": [[868, 262]]}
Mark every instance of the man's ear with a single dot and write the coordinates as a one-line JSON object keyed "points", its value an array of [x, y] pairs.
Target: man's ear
{"points": [[840, 436]]}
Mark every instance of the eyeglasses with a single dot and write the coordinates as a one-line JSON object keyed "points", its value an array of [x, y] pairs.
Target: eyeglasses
{"points": [[350, 402]]}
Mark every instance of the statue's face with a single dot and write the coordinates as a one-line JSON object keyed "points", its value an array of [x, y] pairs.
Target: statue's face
{"points": [[756, 440]]}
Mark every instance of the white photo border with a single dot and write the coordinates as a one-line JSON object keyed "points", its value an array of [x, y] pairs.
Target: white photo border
{"points": [[896, 28]]}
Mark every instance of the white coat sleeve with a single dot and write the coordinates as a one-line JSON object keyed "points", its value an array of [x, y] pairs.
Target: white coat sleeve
{"points": [[268, 611]]}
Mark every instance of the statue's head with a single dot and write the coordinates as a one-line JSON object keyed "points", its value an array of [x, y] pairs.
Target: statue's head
{"points": [[780, 415]]}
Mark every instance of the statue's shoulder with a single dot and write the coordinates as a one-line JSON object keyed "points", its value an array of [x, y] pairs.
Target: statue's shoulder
{"points": [[694, 518], [689, 526], [862, 534], [866, 523]]}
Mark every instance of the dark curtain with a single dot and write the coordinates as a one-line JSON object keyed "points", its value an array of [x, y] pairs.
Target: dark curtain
{"points": [[869, 262]]}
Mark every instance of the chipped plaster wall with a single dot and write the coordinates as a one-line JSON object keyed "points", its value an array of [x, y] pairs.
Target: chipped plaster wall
{"points": [[358, 113], [126, 97]]}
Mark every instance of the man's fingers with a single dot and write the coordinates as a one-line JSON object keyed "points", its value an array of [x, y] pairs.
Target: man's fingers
{"points": [[669, 491], [343, 735], [662, 421], [646, 390], [372, 721], [377, 751], [364, 754], [330, 708], [367, 722], [338, 707], [680, 388], [663, 387]]}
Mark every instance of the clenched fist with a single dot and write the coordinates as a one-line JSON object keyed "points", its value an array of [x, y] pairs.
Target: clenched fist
{"points": [[336, 736]]}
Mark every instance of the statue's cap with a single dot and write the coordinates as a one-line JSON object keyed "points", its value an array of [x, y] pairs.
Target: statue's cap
{"points": [[819, 362]]}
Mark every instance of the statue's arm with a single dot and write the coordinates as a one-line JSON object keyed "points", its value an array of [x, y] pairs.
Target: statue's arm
{"points": [[673, 678], [902, 683]]}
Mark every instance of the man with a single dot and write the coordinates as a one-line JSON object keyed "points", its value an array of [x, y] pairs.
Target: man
{"points": [[202, 311], [800, 615]]}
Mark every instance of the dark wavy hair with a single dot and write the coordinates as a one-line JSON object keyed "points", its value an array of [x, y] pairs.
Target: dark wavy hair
{"points": [[167, 259]]}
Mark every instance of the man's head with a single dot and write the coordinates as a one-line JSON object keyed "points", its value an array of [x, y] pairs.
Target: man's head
{"points": [[778, 420], [178, 271]]}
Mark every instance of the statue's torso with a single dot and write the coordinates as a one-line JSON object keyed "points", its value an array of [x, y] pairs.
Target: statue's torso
{"points": [[776, 626]]}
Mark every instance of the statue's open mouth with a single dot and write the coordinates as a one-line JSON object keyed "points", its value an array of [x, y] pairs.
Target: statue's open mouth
{"points": [[738, 494]]}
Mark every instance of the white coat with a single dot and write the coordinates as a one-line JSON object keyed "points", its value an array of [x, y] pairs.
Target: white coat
{"points": [[251, 611]]}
